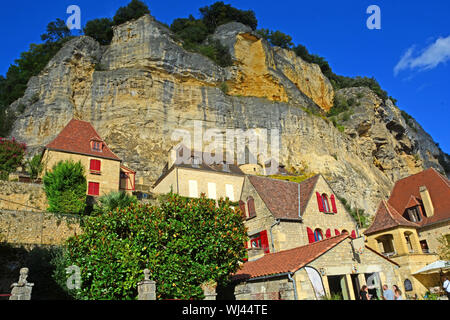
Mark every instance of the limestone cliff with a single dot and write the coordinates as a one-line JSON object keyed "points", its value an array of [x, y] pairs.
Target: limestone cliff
{"points": [[144, 85]]}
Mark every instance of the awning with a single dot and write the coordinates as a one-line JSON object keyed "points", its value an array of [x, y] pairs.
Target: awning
{"points": [[434, 267]]}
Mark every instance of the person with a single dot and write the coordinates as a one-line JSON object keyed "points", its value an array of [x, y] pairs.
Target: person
{"points": [[388, 294], [398, 295], [446, 286], [364, 293]]}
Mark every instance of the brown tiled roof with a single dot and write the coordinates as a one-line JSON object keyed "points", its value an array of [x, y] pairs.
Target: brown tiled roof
{"points": [[288, 260], [281, 197], [76, 138], [387, 217], [438, 187], [412, 202]]}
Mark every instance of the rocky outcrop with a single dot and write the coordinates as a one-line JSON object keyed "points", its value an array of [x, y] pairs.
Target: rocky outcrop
{"points": [[140, 89]]}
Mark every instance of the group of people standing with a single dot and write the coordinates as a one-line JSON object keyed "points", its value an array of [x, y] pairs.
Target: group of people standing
{"points": [[388, 294]]}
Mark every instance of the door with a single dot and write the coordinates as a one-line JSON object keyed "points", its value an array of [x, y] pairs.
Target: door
{"points": [[356, 286]]}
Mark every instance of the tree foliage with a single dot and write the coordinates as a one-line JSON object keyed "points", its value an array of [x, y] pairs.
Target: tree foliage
{"points": [[114, 200], [34, 166], [276, 38], [183, 242], [100, 30], [134, 10], [65, 187], [11, 156], [220, 13]]}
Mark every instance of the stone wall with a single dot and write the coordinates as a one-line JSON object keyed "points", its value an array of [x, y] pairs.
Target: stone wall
{"points": [[37, 228], [22, 196], [271, 289]]}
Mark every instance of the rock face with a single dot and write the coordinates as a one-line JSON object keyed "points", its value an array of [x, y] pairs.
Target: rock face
{"points": [[144, 86]]}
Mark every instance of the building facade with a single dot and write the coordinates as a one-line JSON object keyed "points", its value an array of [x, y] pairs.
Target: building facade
{"points": [[79, 142]]}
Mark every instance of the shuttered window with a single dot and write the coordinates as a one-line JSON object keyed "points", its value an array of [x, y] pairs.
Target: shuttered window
{"points": [[319, 201], [353, 235], [95, 165], [212, 190], [328, 233], [260, 240], [333, 203], [251, 207], [318, 235], [193, 190], [229, 191], [242, 207], [336, 232], [94, 189], [310, 235]]}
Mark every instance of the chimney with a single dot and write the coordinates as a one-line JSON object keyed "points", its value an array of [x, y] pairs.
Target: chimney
{"points": [[426, 200]]}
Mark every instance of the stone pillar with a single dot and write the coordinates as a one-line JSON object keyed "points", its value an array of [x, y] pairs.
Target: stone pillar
{"points": [[351, 290], [22, 289], [147, 288], [209, 290]]}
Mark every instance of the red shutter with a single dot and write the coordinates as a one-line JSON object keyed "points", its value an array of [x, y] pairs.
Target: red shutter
{"points": [[94, 188], [336, 232], [242, 207], [264, 241], [95, 165], [333, 203], [310, 235], [354, 234], [328, 233], [319, 201], [251, 207]]}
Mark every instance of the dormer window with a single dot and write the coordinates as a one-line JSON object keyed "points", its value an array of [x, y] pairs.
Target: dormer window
{"points": [[413, 214], [96, 145]]}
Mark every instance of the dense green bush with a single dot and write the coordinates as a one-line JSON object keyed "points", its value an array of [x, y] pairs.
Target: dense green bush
{"points": [[11, 156], [276, 38], [65, 187], [183, 242]]}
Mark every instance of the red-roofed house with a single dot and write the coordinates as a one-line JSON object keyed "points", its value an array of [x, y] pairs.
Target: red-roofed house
{"points": [[407, 226], [338, 265], [79, 141], [281, 215]]}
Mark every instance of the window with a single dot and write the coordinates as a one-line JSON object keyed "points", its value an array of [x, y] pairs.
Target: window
{"points": [[408, 285], [326, 205], [196, 162], [94, 166], [229, 191], [96, 146], [242, 207], [260, 240], [212, 190], [424, 246], [94, 189], [251, 207], [193, 190], [413, 214], [318, 235], [408, 241]]}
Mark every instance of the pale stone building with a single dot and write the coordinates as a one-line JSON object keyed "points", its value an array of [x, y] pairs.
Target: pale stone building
{"points": [[193, 177], [79, 141], [407, 227]]}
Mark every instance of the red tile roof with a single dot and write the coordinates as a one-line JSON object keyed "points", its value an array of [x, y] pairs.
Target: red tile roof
{"points": [[281, 197], [387, 217], [288, 260], [438, 187], [76, 137]]}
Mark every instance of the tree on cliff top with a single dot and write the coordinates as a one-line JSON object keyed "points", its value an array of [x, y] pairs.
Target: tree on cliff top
{"points": [[134, 10], [183, 242], [219, 13]]}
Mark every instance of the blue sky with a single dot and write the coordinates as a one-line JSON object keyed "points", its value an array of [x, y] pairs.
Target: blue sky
{"points": [[409, 56]]}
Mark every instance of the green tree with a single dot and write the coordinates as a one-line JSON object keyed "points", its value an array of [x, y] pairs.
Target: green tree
{"points": [[219, 13], [11, 156], [183, 242], [65, 187], [190, 30], [100, 30], [34, 166], [276, 38], [134, 10], [56, 31]]}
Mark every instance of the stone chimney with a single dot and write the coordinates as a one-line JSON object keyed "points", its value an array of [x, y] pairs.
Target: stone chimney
{"points": [[426, 200]]}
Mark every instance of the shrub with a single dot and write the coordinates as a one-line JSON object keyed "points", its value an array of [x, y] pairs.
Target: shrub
{"points": [[11, 156], [219, 13], [183, 242], [65, 187], [276, 38], [113, 201], [34, 166]]}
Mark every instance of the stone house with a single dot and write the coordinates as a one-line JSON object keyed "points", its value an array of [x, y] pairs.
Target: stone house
{"points": [[79, 141], [281, 215], [194, 176], [334, 266], [407, 227]]}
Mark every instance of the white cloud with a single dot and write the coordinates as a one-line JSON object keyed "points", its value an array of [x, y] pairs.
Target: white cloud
{"points": [[429, 58]]}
